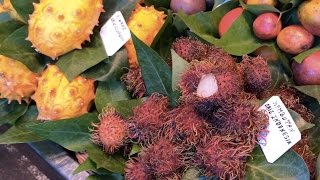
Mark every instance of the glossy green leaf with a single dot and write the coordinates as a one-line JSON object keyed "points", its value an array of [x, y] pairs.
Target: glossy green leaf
{"points": [[125, 107], [310, 90], [4, 17], [110, 91], [300, 122], [18, 133], [87, 165], [16, 47], [278, 75], [9, 113], [111, 6], [156, 73], [114, 67], [289, 4], [136, 148], [105, 177], [7, 28], [114, 163], [259, 9], [288, 166], [24, 8], [77, 61], [179, 65], [73, 134], [158, 3]]}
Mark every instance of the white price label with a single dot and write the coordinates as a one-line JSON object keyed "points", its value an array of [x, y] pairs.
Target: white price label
{"points": [[114, 33], [283, 132]]}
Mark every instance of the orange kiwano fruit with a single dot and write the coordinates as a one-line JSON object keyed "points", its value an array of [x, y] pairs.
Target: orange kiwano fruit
{"points": [[57, 98], [17, 82], [228, 19], [145, 23], [57, 26]]}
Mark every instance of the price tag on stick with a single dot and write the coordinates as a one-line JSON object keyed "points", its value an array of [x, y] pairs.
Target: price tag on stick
{"points": [[283, 132], [115, 33]]}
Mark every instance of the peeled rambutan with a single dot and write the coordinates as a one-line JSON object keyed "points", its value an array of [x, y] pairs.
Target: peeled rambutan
{"points": [[221, 156], [256, 74], [111, 131], [137, 170], [148, 118], [163, 158], [184, 126], [134, 82], [207, 80]]}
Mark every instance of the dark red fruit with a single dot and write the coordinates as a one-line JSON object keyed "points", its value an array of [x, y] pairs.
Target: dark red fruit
{"points": [[188, 6], [307, 72], [134, 82]]}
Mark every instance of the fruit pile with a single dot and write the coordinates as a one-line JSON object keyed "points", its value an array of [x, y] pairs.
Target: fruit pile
{"points": [[178, 101]]}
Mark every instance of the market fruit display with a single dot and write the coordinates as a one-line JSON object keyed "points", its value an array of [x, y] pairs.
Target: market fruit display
{"points": [[55, 30], [180, 100], [17, 82], [57, 98]]}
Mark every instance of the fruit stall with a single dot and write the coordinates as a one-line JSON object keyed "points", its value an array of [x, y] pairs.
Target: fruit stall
{"points": [[170, 89]]}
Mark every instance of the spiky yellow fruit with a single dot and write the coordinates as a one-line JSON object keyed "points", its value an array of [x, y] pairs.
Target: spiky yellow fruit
{"points": [[17, 82], [57, 98], [145, 23], [6, 6], [58, 26]]}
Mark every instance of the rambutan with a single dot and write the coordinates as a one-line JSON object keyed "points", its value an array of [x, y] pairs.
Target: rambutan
{"points": [[221, 156], [184, 126], [111, 131], [222, 80], [162, 158], [134, 82], [190, 48], [256, 74], [136, 169], [148, 118]]}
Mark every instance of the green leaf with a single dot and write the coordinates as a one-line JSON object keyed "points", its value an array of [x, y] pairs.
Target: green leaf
{"points": [[125, 107], [114, 67], [24, 8], [111, 6], [289, 4], [278, 75], [114, 163], [110, 91], [156, 73], [73, 134], [179, 65], [300, 122], [8, 27], [9, 113], [259, 9], [136, 148], [300, 57], [16, 47], [310, 90], [158, 3], [87, 165], [4, 17], [19, 133], [288, 166], [191, 174], [105, 177], [77, 61]]}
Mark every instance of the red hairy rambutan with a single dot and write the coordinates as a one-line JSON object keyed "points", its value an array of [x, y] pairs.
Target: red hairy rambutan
{"points": [[184, 126], [223, 157], [206, 80], [256, 74], [148, 118], [134, 82], [135, 169], [111, 131], [163, 158], [190, 48]]}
